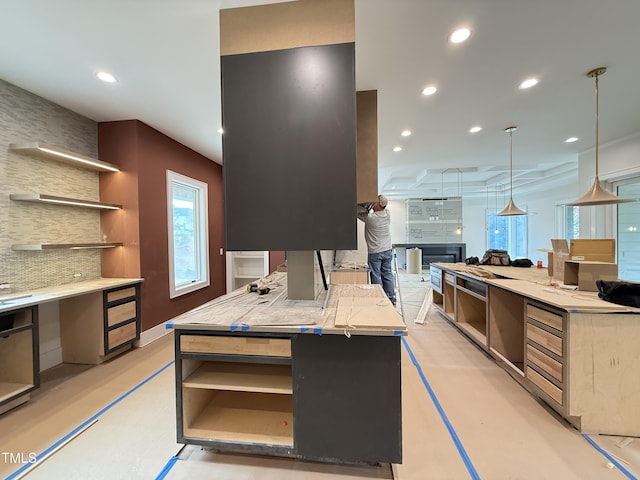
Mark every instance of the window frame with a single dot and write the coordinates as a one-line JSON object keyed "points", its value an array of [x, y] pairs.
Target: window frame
{"points": [[201, 227], [515, 249]]}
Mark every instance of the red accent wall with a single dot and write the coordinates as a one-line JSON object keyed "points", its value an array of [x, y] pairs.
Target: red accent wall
{"points": [[275, 259], [145, 155]]}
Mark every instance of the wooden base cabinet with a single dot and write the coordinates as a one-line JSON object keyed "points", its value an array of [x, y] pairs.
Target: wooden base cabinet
{"points": [[97, 326], [19, 356], [317, 397]]}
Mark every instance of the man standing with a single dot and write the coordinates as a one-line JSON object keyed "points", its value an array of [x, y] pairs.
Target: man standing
{"points": [[377, 222]]}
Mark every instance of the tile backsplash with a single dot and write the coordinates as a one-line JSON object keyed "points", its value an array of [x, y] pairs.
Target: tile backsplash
{"points": [[25, 117]]}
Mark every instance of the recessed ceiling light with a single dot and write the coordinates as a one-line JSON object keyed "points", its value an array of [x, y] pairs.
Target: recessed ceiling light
{"points": [[397, 149], [406, 133], [529, 82], [571, 139], [429, 90], [459, 35], [106, 77], [475, 129]]}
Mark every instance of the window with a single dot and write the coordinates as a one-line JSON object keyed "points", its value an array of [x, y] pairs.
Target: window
{"points": [[188, 227], [628, 231], [507, 233], [571, 223]]}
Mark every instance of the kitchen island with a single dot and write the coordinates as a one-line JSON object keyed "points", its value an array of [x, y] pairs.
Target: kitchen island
{"points": [[313, 379], [576, 352]]}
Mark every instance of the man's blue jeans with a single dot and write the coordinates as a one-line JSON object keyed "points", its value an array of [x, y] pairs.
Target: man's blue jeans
{"points": [[381, 273]]}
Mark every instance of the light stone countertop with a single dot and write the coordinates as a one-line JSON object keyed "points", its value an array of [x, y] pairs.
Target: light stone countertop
{"points": [[52, 294]]}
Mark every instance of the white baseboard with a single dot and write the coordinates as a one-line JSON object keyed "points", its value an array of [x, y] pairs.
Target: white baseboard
{"points": [[152, 334]]}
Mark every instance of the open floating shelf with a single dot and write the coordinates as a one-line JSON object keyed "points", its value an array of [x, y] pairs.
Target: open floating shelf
{"points": [[73, 202], [55, 153], [62, 246]]}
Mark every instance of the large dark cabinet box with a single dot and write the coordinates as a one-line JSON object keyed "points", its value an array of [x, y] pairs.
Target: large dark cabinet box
{"points": [[289, 149]]}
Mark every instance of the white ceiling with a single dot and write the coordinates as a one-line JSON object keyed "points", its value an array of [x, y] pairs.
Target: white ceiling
{"points": [[166, 56]]}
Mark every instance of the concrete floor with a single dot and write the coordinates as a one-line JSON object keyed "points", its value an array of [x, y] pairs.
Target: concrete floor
{"points": [[463, 417]]}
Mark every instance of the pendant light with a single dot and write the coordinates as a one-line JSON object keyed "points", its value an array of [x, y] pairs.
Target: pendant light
{"points": [[511, 208], [597, 195]]}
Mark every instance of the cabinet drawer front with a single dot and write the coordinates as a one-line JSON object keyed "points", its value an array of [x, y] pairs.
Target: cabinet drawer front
{"points": [[545, 362], [272, 347], [545, 339], [121, 335], [120, 294], [553, 320], [451, 279], [120, 313], [545, 385]]}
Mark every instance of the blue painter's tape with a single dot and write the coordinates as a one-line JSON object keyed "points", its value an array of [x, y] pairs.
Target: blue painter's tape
{"points": [[18, 473], [233, 327], [317, 330], [167, 468], [454, 436], [168, 325], [304, 329], [398, 332], [244, 327], [629, 475], [573, 310]]}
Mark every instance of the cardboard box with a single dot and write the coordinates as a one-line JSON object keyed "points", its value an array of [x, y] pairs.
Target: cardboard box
{"points": [[599, 250], [349, 277], [584, 273], [556, 257]]}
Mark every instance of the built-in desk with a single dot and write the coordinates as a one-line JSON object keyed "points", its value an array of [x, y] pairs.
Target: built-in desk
{"points": [[317, 379], [573, 350], [98, 319]]}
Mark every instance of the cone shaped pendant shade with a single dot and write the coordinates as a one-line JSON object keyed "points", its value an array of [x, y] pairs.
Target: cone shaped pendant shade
{"points": [[511, 208], [597, 195]]}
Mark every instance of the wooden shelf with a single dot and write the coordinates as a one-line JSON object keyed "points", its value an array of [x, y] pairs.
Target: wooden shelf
{"points": [[245, 417], [8, 390], [243, 377], [71, 202], [477, 330], [62, 246], [51, 152]]}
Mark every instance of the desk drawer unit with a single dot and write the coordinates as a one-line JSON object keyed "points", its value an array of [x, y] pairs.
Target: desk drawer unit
{"points": [[121, 317], [545, 354]]}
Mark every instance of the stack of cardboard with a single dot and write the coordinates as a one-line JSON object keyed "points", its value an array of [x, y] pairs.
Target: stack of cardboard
{"points": [[583, 262]]}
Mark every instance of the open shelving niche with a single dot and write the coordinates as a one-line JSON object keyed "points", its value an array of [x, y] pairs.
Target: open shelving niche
{"points": [[244, 267], [18, 356], [471, 308], [506, 320], [241, 399]]}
